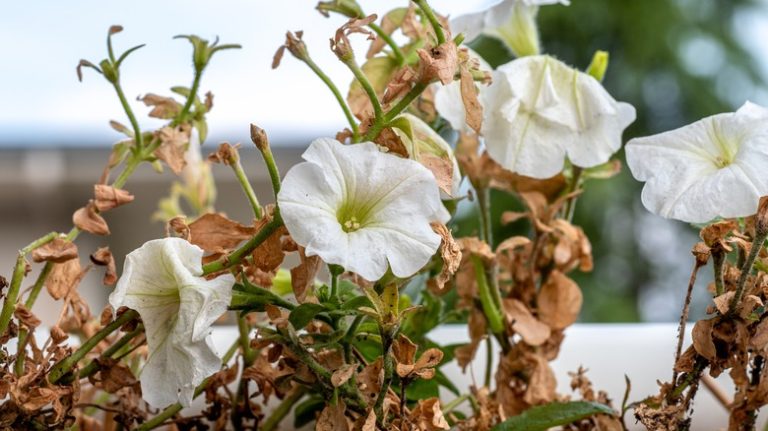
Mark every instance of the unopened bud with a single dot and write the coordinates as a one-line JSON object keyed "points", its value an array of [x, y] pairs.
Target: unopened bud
{"points": [[109, 71], [599, 65], [259, 138], [348, 8]]}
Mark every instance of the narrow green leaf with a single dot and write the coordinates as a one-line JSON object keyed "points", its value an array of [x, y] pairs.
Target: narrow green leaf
{"points": [[542, 418], [304, 313], [355, 303]]}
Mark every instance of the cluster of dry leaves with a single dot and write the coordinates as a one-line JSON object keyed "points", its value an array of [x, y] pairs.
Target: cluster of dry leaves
{"points": [[734, 335]]}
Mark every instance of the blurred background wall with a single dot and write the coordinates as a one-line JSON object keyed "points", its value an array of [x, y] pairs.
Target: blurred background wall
{"points": [[675, 60]]}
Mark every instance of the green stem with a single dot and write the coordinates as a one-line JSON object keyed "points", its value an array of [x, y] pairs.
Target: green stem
{"points": [[337, 94], [65, 365], [190, 100], [424, 6], [378, 408], [490, 310], [388, 39], [335, 271], [379, 124], [367, 87], [488, 362], [38, 286], [236, 256], [718, 263], [9, 306], [93, 366], [137, 136], [757, 245], [247, 188], [274, 173], [282, 410], [455, 403], [484, 207], [245, 342], [570, 206]]}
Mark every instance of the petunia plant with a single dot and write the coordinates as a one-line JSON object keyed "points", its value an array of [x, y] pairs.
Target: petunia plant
{"points": [[335, 286]]}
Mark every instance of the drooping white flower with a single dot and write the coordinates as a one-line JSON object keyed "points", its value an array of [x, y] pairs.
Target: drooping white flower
{"points": [[449, 103], [512, 21], [162, 280], [425, 145], [539, 110], [357, 207], [714, 167]]}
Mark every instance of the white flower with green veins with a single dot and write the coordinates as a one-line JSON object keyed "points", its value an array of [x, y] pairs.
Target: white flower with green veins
{"points": [[362, 209], [162, 280], [715, 167], [538, 111]]}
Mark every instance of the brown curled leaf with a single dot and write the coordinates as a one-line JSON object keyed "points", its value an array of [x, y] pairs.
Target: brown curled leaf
{"points": [[57, 251], [103, 257], [87, 219], [107, 197]]}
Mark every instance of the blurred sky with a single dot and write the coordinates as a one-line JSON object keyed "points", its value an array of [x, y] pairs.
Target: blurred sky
{"points": [[44, 104]]}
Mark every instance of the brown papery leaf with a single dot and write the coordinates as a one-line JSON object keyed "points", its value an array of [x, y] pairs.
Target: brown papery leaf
{"points": [[759, 341], [107, 197], [269, 254], [87, 219], [716, 232], [303, 275], [369, 380], [723, 302], [559, 301], [450, 252], [63, 277], [439, 63], [215, 232], [178, 225], [173, 145], [103, 257], [114, 375], [442, 169], [342, 375], [522, 321], [702, 339], [473, 110], [404, 352], [332, 418], [59, 250]]}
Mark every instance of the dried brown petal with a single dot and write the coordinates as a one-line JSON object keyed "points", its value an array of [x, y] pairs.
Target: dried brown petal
{"points": [[559, 301], [332, 418], [174, 141], [58, 335], [450, 252], [715, 232], [215, 232], [59, 250], [442, 169], [542, 384], [439, 63], [63, 277], [473, 110], [303, 275], [226, 154], [107, 197], [524, 323], [87, 219], [723, 302], [427, 416], [26, 317], [162, 107], [103, 257], [369, 380], [702, 339], [178, 225], [391, 142]]}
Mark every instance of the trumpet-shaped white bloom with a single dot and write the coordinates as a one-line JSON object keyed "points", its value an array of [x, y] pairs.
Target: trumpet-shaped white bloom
{"points": [[713, 167], [357, 207], [538, 110], [449, 103], [512, 21], [162, 280]]}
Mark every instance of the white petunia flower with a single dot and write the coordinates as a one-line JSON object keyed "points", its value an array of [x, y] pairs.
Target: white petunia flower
{"points": [[162, 280], [539, 110], [449, 103], [357, 207], [713, 167], [511, 21]]}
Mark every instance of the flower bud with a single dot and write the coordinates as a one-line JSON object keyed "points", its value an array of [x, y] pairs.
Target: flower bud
{"points": [[109, 71], [348, 8], [599, 65]]}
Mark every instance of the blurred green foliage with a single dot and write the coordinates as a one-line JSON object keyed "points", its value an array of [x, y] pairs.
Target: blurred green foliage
{"points": [[676, 62]]}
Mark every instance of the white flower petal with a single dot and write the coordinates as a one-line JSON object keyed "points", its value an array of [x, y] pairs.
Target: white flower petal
{"points": [[162, 280], [707, 169], [334, 204], [538, 110]]}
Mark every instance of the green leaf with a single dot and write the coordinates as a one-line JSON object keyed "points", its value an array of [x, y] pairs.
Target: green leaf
{"points": [[422, 389], [304, 313], [357, 302], [542, 418]]}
